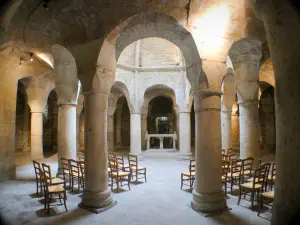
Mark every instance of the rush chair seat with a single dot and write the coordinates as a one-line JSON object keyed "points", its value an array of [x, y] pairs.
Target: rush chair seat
{"points": [[265, 195], [136, 171], [38, 176], [122, 166], [225, 171], [189, 176], [66, 171], [118, 177], [75, 173], [52, 190], [256, 186]]}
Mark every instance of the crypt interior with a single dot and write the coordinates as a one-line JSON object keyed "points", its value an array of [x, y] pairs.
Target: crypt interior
{"points": [[150, 112]]}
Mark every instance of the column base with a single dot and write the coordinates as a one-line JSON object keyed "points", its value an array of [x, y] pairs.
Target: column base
{"points": [[213, 203], [97, 201], [185, 156]]}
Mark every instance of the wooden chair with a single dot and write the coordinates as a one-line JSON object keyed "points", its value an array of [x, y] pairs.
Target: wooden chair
{"points": [[223, 152], [190, 175], [229, 151], [122, 166], [38, 176], [52, 180], [224, 157], [225, 171], [52, 190], [234, 175], [233, 156], [117, 176], [111, 155], [247, 165], [272, 177], [75, 173], [265, 195], [256, 186], [81, 166], [66, 171], [136, 170]]}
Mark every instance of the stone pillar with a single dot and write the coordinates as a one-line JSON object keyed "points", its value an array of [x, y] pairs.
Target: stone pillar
{"points": [[144, 131], [185, 135], [161, 143], [36, 135], [226, 129], [77, 132], [66, 138], [97, 195], [284, 40], [119, 127], [110, 133], [249, 130], [208, 196], [26, 147], [235, 131], [135, 134], [81, 133]]}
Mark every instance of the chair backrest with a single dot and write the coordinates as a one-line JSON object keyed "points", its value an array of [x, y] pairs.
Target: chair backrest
{"points": [[236, 166], [225, 167], [233, 156], [111, 155], [224, 157], [261, 174], [120, 159], [229, 151], [113, 165], [64, 165], [247, 165], [81, 166], [37, 170], [223, 152], [192, 166], [74, 166], [133, 161], [273, 174], [47, 177]]}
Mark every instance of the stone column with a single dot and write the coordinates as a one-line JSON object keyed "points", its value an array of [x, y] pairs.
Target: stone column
{"points": [[135, 134], [235, 132], [185, 135], [66, 138], [77, 132], [110, 133], [81, 133], [119, 127], [207, 195], [144, 131], [284, 41], [97, 195], [36, 135], [249, 130], [161, 143], [226, 129], [26, 147]]}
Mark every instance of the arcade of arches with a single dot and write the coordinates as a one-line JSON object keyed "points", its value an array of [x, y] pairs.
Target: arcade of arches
{"points": [[94, 77]]}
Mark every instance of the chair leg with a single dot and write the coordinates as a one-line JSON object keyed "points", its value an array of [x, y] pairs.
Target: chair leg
{"points": [[117, 184], [129, 182], [79, 181], [145, 175], [252, 199], [260, 205], [240, 195], [65, 200]]}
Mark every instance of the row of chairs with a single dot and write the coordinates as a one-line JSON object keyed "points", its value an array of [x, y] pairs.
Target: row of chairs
{"points": [[50, 186], [119, 172]]}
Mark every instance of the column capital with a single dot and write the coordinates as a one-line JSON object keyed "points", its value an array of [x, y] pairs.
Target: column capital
{"points": [[206, 100]]}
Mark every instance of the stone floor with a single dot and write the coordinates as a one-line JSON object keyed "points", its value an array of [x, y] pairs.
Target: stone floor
{"points": [[159, 201]]}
